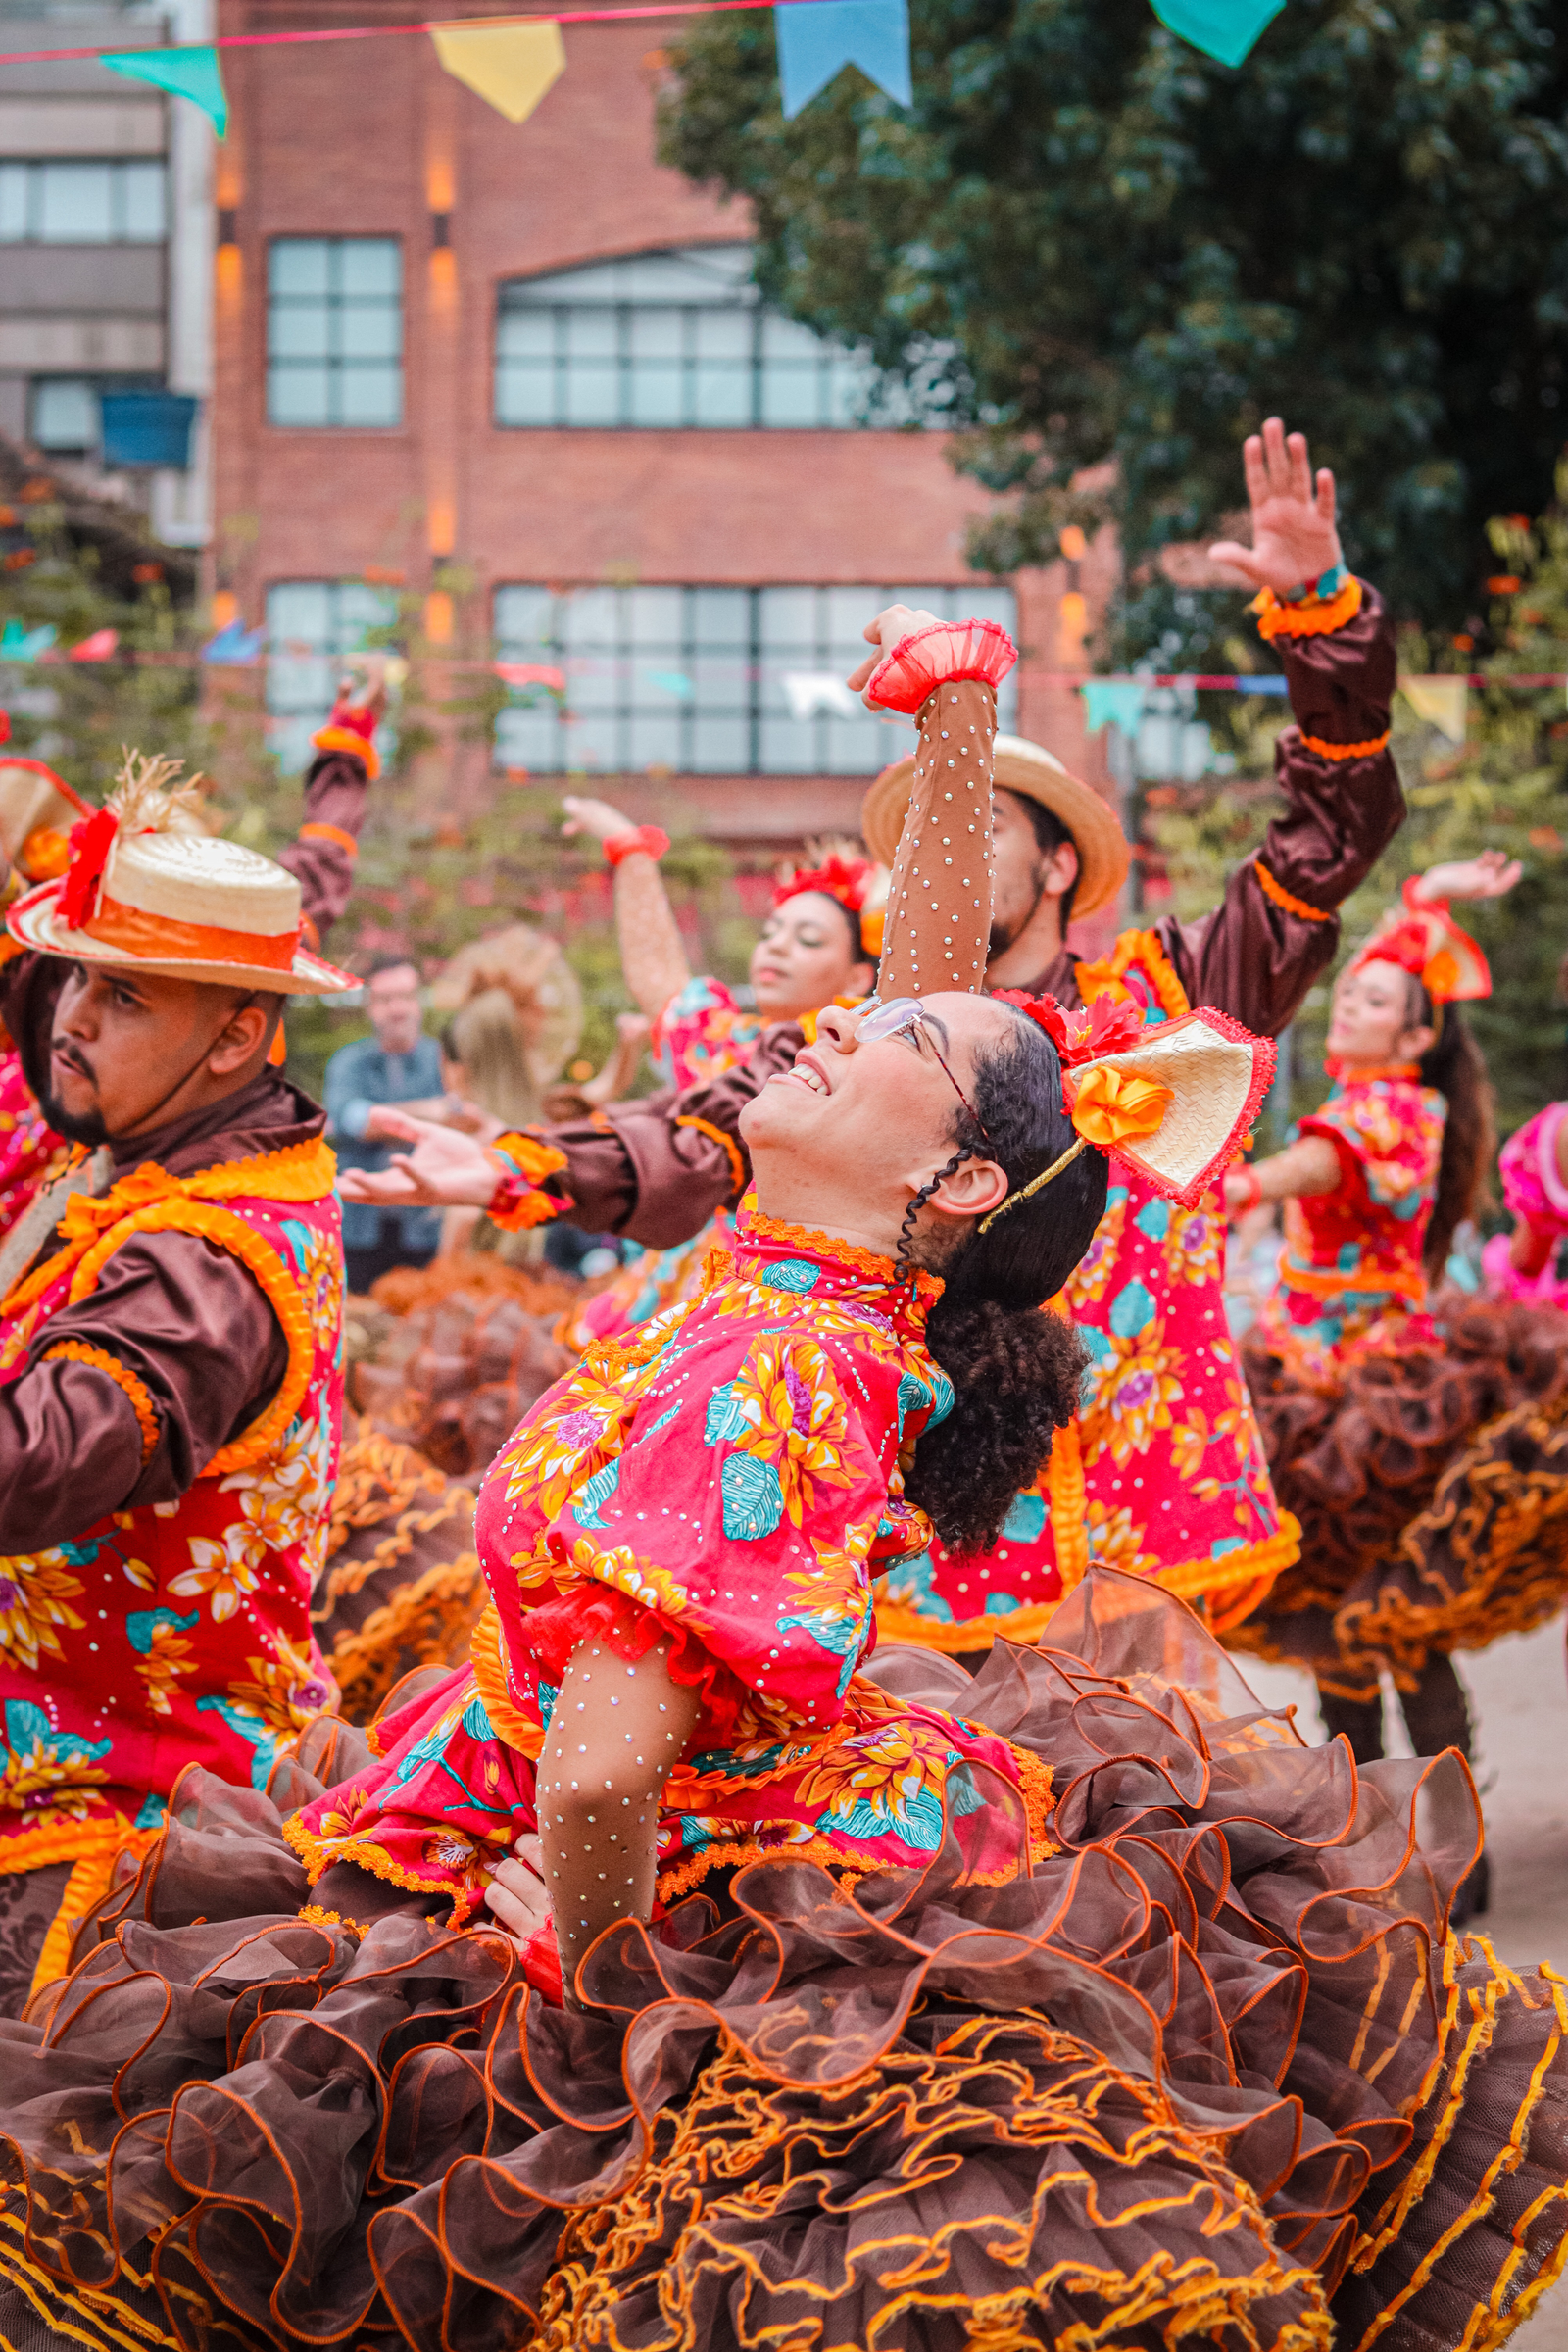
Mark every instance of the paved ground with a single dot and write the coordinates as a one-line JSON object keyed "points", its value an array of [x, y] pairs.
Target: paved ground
{"points": [[1519, 1697]]}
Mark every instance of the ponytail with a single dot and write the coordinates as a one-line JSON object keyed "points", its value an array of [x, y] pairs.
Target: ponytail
{"points": [[1454, 1066]]}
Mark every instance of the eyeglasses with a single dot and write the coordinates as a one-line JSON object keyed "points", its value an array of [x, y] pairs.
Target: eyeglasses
{"points": [[907, 1016]]}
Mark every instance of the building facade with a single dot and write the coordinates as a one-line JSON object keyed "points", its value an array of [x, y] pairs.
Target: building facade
{"points": [[106, 261], [510, 385]]}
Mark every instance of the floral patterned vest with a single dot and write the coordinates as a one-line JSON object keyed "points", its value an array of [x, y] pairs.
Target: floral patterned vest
{"points": [[1163, 1472], [31, 1154], [179, 1633]]}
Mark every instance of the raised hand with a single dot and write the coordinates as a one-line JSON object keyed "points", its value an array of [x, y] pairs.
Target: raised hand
{"points": [[1293, 535], [1492, 875], [892, 623], [596, 819], [443, 1170]]}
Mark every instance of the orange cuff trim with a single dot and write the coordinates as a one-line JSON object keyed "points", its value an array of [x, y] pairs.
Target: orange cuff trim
{"points": [[317, 832], [1284, 898], [1309, 617], [79, 1351], [358, 746], [313, 1916], [726, 1144], [1348, 751]]}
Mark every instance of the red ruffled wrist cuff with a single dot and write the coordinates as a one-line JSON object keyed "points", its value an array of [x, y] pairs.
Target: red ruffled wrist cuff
{"points": [[344, 734], [941, 656], [516, 1204], [652, 840]]}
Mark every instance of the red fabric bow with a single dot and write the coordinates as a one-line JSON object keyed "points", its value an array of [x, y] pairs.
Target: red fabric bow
{"points": [[1107, 1027], [846, 879], [91, 840]]}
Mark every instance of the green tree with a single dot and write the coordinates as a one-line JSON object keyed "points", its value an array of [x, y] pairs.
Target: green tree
{"points": [[1085, 240]]}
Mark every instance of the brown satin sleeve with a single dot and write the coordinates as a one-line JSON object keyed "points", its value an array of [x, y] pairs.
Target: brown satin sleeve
{"points": [[656, 1170], [189, 1323], [938, 929], [1277, 930], [322, 859]]}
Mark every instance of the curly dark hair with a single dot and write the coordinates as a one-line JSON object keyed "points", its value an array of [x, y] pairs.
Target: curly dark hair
{"points": [[1016, 1372], [1453, 1065]]}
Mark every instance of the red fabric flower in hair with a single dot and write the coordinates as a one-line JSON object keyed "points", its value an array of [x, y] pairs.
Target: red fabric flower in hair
{"points": [[846, 879], [91, 840], [1107, 1027]]}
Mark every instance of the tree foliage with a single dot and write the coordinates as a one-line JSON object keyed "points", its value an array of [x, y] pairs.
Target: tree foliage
{"points": [[1086, 240]]}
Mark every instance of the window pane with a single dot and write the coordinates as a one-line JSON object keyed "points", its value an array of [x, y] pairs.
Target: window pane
{"points": [[298, 330], [787, 619], [369, 395], [720, 744], [721, 394], [592, 393], [78, 206], [13, 203], [792, 395], [370, 266], [525, 618], [655, 618], [64, 414], [369, 330], [141, 194], [721, 616], [654, 736], [525, 396], [298, 266], [298, 395]]}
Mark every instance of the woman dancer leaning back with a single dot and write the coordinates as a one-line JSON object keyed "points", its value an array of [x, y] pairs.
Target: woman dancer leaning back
{"points": [[1076, 2002]]}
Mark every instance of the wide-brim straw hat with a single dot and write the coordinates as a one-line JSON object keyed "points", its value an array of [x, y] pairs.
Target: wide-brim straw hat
{"points": [[37, 810], [1021, 767], [188, 907]]}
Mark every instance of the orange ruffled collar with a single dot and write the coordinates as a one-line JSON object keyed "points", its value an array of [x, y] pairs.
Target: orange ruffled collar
{"points": [[759, 1236]]}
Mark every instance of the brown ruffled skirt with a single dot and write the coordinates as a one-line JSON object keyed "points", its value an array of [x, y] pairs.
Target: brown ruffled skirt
{"points": [[1212, 2070], [1432, 1489]]}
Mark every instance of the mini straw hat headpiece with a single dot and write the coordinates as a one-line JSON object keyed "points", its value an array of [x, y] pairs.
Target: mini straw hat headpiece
{"points": [[141, 886]]}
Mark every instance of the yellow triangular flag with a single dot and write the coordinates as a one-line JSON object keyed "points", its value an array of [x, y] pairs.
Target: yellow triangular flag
{"points": [[510, 65], [1441, 702]]}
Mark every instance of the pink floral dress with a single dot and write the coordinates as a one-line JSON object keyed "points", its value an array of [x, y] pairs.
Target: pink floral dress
{"points": [[1351, 1281], [1535, 1196], [731, 1477]]}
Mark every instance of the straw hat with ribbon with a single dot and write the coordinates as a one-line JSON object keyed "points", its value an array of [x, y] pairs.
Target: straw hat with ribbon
{"points": [[1176, 1102], [141, 886], [1027, 768]]}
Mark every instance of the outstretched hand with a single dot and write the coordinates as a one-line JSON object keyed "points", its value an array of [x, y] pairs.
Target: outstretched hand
{"points": [[443, 1170], [892, 623], [596, 819], [1492, 875], [1293, 535]]}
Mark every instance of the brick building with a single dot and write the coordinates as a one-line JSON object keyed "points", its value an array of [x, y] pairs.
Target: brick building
{"points": [[518, 373]]}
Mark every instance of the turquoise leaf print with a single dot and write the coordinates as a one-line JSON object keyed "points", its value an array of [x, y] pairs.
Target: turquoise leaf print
{"points": [[299, 1237], [944, 1400], [909, 1586], [593, 1496], [249, 1727], [916, 1819], [962, 1794], [549, 1692], [840, 1633], [475, 1722], [142, 1624], [792, 1274], [1026, 1520], [1130, 1308], [1153, 1220], [726, 1420], [28, 1728], [150, 1815], [913, 1396], [1002, 1604], [753, 1499], [81, 1555]]}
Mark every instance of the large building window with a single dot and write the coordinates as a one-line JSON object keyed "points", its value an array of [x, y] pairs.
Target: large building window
{"points": [[334, 332], [666, 339], [112, 203], [706, 681], [311, 625]]}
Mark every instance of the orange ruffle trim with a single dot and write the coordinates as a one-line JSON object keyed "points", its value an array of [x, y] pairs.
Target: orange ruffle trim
{"points": [[726, 1144], [80, 1351], [1286, 899], [1311, 617]]}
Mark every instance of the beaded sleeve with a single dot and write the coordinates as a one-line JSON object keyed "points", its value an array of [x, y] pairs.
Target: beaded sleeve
{"points": [[938, 929]]}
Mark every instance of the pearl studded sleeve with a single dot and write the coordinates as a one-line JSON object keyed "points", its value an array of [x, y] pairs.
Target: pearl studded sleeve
{"points": [[938, 929]]}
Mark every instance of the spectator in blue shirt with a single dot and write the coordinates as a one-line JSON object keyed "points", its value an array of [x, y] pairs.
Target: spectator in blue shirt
{"points": [[399, 1064]]}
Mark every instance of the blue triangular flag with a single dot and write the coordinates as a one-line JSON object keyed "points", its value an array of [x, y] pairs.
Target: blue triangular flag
{"points": [[193, 73], [817, 38], [1222, 28], [234, 644], [1112, 700]]}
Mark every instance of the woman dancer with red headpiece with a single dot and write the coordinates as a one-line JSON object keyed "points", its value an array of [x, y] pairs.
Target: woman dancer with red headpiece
{"points": [[818, 947], [1366, 1399]]}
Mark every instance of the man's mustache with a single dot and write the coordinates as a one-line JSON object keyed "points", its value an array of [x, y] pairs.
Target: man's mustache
{"points": [[62, 1050]]}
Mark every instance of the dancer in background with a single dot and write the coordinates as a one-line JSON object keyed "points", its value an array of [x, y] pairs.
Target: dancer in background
{"points": [[1366, 1399], [1111, 2010], [818, 947]]}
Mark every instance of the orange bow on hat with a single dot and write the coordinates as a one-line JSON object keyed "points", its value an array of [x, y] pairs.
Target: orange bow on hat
{"points": [[1110, 1108]]}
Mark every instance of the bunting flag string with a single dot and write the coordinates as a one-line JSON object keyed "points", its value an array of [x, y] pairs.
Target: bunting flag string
{"points": [[512, 62]]}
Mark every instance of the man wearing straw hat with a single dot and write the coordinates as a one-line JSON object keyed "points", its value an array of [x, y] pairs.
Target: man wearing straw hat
{"points": [[169, 1379], [1163, 1474]]}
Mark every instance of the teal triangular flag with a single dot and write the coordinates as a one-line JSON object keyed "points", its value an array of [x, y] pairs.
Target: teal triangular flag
{"points": [[1115, 702], [1222, 28], [192, 74], [816, 39]]}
